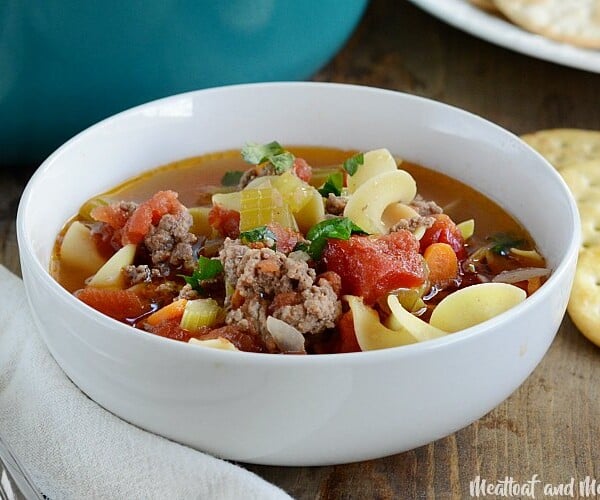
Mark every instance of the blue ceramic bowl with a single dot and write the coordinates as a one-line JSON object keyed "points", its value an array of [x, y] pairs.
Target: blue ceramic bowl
{"points": [[66, 64]]}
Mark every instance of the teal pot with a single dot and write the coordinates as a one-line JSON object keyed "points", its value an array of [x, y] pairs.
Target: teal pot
{"points": [[66, 64]]}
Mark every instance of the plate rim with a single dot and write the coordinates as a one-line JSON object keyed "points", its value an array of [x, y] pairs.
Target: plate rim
{"points": [[467, 17]]}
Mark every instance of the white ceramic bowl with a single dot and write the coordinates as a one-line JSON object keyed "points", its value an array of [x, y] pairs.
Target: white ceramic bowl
{"points": [[298, 410]]}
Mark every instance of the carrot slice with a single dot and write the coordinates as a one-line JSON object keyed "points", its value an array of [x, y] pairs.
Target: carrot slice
{"points": [[174, 310], [442, 263]]}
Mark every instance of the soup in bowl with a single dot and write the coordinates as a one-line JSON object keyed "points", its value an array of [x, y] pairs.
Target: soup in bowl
{"points": [[381, 275]]}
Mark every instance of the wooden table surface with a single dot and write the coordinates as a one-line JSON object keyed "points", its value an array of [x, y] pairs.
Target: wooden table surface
{"points": [[550, 427]]}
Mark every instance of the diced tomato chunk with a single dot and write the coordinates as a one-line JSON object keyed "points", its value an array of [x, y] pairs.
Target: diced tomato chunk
{"points": [[112, 215], [347, 341], [118, 304], [133, 228], [444, 230], [226, 221], [138, 225], [169, 328], [148, 214], [302, 169], [371, 267]]}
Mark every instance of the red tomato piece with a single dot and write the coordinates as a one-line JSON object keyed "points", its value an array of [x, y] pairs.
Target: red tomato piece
{"points": [[170, 328], [148, 214], [118, 304], [444, 230], [226, 221], [371, 267], [112, 215], [302, 169]]}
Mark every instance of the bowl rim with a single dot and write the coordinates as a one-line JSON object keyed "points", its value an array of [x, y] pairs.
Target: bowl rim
{"points": [[240, 357]]}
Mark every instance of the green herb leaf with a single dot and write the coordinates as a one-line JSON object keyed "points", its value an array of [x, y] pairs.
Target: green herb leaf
{"points": [[262, 233], [258, 153], [282, 162], [232, 178], [351, 164], [206, 269], [340, 228], [272, 152], [503, 242], [333, 184]]}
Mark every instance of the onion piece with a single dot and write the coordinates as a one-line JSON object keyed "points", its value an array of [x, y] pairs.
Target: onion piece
{"points": [[287, 338], [521, 274]]}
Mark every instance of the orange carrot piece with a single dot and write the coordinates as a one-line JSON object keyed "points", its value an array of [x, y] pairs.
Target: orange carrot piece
{"points": [[174, 310], [442, 263]]}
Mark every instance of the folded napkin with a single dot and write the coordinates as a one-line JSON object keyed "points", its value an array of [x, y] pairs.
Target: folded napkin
{"points": [[74, 449]]}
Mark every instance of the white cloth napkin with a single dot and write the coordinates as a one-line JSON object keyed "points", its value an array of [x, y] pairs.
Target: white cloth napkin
{"points": [[74, 449]]}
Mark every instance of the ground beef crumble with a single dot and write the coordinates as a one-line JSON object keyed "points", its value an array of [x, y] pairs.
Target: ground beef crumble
{"points": [[268, 282], [140, 274], [413, 223], [335, 205], [424, 207], [171, 244]]}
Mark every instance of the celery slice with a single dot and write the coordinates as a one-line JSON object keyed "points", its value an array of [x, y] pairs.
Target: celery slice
{"points": [[295, 192], [262, 206], [312, 213], [200, 313]]}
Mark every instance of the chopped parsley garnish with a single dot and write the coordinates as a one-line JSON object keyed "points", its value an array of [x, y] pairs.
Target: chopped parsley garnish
{"points": [[262, 233], [272, 152], [206, 269], [340, 228], [232, 178], [351, 164], [333, 185], [503, 242]]}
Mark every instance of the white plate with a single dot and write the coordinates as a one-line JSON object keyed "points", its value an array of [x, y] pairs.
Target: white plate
{"points": [[467, 17]]}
